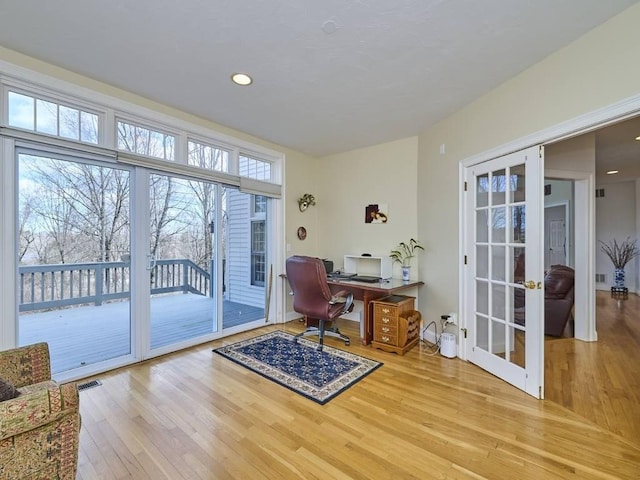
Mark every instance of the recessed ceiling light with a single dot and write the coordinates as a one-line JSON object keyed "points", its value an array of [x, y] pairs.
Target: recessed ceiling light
{"points": [[241, 79], [638, 138], [612, 172]]}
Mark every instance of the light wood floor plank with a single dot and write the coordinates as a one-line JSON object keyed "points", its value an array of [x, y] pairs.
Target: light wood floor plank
{"points": [[196, 415]]}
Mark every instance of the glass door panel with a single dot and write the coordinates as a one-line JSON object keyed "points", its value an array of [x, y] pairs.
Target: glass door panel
{"points": [[244, 228], [73, 260], [182, 267]]}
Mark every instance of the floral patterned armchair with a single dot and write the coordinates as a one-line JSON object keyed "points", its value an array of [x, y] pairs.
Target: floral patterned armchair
{"points": [[40, 428]]}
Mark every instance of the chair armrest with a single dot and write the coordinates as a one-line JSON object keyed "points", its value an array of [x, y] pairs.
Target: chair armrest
{"points": [[343, 296], [37, 405], [26, 365]]}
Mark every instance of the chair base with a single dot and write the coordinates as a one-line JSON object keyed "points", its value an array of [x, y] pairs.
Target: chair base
{"points": [[321, 332]]}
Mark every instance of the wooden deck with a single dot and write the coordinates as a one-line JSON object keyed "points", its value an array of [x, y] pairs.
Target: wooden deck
{"points": [[89, 334]]}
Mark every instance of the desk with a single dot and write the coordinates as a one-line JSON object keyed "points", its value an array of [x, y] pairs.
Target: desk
{"points": [[367, 292]]}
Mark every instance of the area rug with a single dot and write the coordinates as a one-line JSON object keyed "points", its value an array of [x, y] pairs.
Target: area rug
{"points": [[319, 376]]}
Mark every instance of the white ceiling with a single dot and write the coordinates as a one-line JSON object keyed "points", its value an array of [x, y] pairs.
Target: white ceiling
{"points": [[391, 68]]}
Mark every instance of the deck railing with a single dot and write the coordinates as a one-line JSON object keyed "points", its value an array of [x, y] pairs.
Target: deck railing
{"points": [[52, 286]]}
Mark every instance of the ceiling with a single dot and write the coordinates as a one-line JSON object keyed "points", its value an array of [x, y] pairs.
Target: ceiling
{"points": [[329, 75], [618, 149]]}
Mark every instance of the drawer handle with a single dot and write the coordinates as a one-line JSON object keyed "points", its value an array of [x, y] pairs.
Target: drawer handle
{"points": [[385, 310], [385, 320], [385, 329], [385, 338]]}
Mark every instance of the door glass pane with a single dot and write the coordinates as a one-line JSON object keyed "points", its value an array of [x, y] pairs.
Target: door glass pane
{"points": [[517, 273], [482, 297], [482, 261], [183, 296], [498, 187], [245, 263], [498, 225], [482, 332], [498, 340], [517, 294], [482, 190], [498, 258], [518, 224], [74, 263], [498, 296], [482, 225], [517, 342], [517, 183]]}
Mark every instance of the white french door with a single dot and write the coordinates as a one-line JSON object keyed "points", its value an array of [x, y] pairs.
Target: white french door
{"points": [[503, 279]]}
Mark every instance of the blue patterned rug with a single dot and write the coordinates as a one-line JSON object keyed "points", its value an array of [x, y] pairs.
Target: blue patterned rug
{"points": [[319, 376]]}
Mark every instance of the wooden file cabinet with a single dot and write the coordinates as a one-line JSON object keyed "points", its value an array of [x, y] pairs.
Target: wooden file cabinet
{"points": [[396, 325]]}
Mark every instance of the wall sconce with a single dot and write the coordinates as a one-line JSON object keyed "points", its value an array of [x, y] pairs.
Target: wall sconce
{"points": [[305, 201]]}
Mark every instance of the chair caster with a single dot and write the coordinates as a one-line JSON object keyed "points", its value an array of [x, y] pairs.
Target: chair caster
{"points": [[319, 348]]}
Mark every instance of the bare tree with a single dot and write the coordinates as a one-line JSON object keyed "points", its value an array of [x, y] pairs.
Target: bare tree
{"points": [[25, 234], [83, 206]]}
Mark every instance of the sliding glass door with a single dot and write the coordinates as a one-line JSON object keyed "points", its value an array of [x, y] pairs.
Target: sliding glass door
{"points": [[73, 259], [182, 260], [246, 273], [101, 244]]}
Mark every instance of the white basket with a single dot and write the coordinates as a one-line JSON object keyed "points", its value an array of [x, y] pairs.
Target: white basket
{"points": [[448, 345]]}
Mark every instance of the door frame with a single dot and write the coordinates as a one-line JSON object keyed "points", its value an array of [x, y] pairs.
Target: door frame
{"points": [[584, 234], [584, 213]]}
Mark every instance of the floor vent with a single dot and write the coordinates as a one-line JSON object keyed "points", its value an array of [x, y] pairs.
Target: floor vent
{"points": [[91, 384]]}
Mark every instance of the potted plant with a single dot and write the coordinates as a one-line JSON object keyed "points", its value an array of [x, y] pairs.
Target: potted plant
{"points": [[403, 254], [620, 254]]}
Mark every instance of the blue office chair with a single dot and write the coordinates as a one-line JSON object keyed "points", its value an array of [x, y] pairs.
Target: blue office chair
{"points": [[312, 298]]}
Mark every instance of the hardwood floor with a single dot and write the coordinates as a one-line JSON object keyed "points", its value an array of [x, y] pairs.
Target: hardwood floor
{"points": [[196, 415], [601, 380]]}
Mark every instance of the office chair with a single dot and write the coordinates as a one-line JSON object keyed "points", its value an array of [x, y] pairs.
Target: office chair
{"points": [[312, 298]]}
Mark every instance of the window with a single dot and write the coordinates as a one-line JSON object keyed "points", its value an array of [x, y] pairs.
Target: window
{"points": [[207, 156], [258, 252], [259, 205], [258, 239], [51, 118], [144, 141], [254, 168]]}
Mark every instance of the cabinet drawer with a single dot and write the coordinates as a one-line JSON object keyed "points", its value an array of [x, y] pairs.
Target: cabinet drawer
{"points": [[385, 311], [386, 320], [385, 338], [385, 329]]}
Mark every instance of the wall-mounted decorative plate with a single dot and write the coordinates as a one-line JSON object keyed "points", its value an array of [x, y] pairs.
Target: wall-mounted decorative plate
{"points": [[302, 233]]}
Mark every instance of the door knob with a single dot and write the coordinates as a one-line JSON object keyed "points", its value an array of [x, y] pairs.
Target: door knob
{"points": [[532, 285]]}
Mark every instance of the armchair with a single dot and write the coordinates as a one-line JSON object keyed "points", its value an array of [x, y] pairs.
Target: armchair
{"points": [[40, 428], [558, 299], [312, 298]]}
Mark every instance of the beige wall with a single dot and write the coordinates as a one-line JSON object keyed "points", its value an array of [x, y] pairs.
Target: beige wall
{"points": [[349, 181], [595, 71]]}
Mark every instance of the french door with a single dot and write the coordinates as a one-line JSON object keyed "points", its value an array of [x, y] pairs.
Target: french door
{"points": [[503, 293]]}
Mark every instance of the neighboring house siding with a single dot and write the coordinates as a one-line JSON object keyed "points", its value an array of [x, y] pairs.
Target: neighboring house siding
{"points": [[239, 288]]}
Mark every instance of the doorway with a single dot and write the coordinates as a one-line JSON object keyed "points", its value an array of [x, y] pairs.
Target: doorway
{"points": [[556, 233]]}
